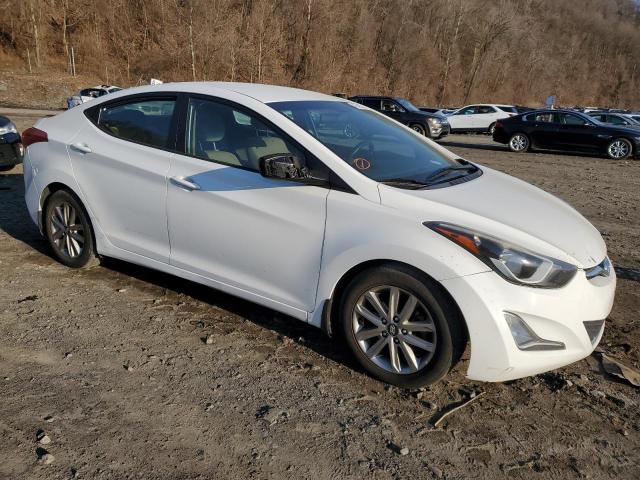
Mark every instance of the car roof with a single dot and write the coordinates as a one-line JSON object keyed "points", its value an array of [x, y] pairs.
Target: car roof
{"points": [[261, 92]]}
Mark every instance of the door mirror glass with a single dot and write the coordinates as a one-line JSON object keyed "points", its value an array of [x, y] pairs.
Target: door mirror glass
{"points": [[283, 166]]}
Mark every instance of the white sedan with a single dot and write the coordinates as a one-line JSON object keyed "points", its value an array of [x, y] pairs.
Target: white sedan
{"points": [[479, 118], [331, 213]]}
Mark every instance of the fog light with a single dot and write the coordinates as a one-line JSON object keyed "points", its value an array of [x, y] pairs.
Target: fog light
{"points": [[526, 338]]}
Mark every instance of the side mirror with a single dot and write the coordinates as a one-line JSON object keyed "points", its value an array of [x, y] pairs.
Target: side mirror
{"points": [[283, 166]]}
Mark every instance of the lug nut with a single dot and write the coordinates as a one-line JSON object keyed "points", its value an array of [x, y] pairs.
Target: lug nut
{"points": [[396, 340], [384, 321], [404, 332], [384, 334], [396, 319]]}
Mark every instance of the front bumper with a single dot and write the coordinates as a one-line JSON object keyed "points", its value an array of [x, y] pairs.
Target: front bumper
{"points": [[553, 314], [441, 132]]}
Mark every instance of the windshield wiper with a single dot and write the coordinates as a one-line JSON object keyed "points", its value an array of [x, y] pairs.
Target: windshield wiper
{"points": [[444, 171], [404, 182]]}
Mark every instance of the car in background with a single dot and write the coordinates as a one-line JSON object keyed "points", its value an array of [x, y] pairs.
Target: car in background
{"points": [[616, 119], [523, 109], [393, 244], [566, 130], [431, 125], [480, 118], [11, 149], [88, 94]]}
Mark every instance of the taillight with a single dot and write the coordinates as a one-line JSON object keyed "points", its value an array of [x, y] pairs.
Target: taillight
{"points": [[498, 124], [33, 135]]}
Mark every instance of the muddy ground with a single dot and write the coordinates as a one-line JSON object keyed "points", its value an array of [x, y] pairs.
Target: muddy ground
{"points": [[110, 364]]}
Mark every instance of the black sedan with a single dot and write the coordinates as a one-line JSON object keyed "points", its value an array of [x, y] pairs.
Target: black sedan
{"points": [[10, 145], [566, 130]]}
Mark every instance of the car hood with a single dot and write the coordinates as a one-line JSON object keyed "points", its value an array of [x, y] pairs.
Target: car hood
{"points": [[505, 207]]}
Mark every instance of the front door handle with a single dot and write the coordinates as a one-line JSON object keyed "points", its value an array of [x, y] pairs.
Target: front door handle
{"points": [[81, 147], [184, 183]]}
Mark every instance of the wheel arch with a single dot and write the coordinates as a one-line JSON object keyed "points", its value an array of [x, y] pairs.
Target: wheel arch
{"points": [[330, 307], [46, 194]]}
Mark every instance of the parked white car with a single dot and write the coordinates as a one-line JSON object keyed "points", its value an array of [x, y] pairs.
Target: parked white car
{"points": [[327, 211], [479, 118], [88, 94]]}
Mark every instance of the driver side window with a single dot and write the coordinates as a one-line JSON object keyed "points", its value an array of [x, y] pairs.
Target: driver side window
{"points": [[467, 111], [390, 106]]}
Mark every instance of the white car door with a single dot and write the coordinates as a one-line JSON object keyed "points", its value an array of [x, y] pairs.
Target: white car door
{"points": [[121, 162], [230, 224], [463, 119], [484, 117]]}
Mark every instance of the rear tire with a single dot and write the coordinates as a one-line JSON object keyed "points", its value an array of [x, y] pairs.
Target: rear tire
{"points": [[399, 344], [619, 149], [69, 231], [519, 143]]}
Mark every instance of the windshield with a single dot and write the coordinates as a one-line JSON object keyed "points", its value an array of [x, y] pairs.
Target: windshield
{"points": [[407, 105], [373, 144]]}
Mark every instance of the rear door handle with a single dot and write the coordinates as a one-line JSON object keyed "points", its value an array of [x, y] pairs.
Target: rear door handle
{"points": [[81, 147], [184, 183]]}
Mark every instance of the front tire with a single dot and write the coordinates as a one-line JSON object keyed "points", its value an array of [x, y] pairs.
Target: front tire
{"points": [[416, 127], [68, 230], [619, 149], [492, 128], [519, 143], [401, 327]]}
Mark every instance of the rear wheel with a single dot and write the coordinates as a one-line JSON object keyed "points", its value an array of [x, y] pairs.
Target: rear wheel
{"points": [[619, 149], [519, 143], [492, 128], [68, 229], [400, 327]]}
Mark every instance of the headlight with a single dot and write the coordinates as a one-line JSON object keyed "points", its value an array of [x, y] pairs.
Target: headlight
{"points": [[515, 264], [433, 121], [8, 128]]}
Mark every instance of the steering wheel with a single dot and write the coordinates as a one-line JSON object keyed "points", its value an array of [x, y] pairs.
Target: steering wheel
{"points": [[350, 131]]}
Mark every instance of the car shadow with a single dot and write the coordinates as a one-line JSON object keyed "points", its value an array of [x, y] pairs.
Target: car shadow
{"points": [[15, 222], [299, 332], [14, 217]]}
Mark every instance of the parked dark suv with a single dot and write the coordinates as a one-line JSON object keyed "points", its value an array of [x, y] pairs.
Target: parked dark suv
{"points": [[566, 130], [432, 125]]}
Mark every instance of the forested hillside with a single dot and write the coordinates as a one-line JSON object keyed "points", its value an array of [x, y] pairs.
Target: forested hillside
{"points": [[439, 52]]}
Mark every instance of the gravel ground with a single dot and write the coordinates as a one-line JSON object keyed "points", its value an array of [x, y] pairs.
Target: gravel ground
{"points": [[105, 374]]}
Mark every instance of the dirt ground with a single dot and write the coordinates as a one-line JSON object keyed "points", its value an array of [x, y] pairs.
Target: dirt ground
{"points": [[110, 364]]}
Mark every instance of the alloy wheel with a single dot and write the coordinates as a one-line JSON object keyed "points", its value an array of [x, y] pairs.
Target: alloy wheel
{"points": [[519, 143], [394, 329], [67, 231], [619, 149]]}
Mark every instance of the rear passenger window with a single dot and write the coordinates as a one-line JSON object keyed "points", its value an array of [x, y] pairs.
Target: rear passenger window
{"points": [[485, 109], [219, 133], [146, 121]]}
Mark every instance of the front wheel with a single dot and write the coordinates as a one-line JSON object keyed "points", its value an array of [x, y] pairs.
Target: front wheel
{"points": [[519, 143], [400, 326], [416, 127], [619, 149], [492, 128], [68, 229]]}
